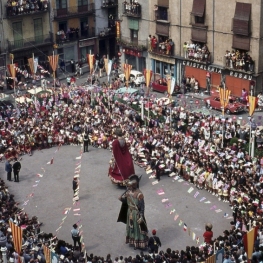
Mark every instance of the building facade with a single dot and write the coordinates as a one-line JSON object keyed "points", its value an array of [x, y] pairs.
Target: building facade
{"points": [[217, 42]]}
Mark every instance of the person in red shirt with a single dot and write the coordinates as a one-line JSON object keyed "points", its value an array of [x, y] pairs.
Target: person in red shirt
{"points": [[208, 234]]}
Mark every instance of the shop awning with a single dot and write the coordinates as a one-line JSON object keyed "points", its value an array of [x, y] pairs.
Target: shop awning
{"points": [[241, 20], [198, 8], [199, 35], [162, 29], [241, 42]]}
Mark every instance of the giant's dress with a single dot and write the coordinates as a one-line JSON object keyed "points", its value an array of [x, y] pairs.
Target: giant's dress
{"points": [[132, 209], [122, 164]]}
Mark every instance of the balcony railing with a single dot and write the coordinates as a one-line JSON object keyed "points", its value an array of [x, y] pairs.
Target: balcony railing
{"points": [[62, 38], [139, 45], [238, 64], [163, 49], [106, 31], [74, 11], [132, 10], [109, 3], [25, 10], [30, 42]]}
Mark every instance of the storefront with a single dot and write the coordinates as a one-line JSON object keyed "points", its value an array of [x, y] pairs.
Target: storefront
{"points": [[86, 46], [205, 75], [162, 65], [135, 58]]}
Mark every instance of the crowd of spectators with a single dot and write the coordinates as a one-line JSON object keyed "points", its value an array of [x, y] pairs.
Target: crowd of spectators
{"points": [[190, 150], [163, 46], [70, 34], [240, 60], [18, 7], [132, 8], [196, 51]]}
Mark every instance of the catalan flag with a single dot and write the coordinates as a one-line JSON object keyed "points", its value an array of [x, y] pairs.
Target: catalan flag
{"points": [[249, 240], [90, 59], [17, 236], [53, 61], [252, 104], [148, 75], [224, 97], [127, 71], [47, 254]]}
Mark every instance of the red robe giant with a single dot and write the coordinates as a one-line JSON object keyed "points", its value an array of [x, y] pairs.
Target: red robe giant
{"points": [[122, 165]]}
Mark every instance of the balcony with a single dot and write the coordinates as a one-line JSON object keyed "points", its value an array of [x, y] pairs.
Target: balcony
{"points": [[139, 45], [73, 11], [28, 43], [132, 10], [106, 31], [27, 10], [73, 35], [109, 3], [163, 48]]}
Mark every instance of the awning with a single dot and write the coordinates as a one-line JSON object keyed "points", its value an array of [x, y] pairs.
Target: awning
{"points": [[199, 35], [198, 8], [164, 3], [162, 29], [241, 21], [241, 42]]}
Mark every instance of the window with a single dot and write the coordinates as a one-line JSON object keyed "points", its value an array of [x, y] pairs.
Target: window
{"points": [[161, 13], [198, 11], [82, 2], [38, 30], [60, 4], [18, 34], [62, 26], [158, 67], [134, 36]]}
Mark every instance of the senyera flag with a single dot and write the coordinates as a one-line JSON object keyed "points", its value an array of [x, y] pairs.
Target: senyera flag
{"points": [[249, 240], [127, 71], [224, 97], [90, 59], [47, 254], [252, 104], [17, 233], [53, 61], [148, 76]]}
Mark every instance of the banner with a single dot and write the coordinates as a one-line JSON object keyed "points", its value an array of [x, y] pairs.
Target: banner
{"points": [[47, 254], [148, 75], [127, 71], [172, 85], [12, 69], [249, 240], [106, 65], [17, 233], [224, 97], [109, 69], [252, 104], [35, 65], [90, 59], [142, 110], [53, 61]]}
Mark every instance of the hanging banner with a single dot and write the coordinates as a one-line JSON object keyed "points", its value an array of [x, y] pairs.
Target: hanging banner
{"points": [[109, 69], [106, 64], [148, 76], [35, 65], [172, 85], [127, 71], [252, 104], [12, 70], [224, 97], [90, 59], [53, 61]]}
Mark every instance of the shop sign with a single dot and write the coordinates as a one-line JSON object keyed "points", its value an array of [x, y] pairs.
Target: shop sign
{"points": [[162, 58], [87, 42], [118, 29], [202, 66], [240, 75]]}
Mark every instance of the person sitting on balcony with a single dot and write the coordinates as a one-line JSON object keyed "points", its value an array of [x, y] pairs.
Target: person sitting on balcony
{"points": [[154, 43]]}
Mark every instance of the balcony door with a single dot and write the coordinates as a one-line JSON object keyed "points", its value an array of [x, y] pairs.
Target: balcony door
{"points": [[82, 5], [18, 34], [38, 30]]}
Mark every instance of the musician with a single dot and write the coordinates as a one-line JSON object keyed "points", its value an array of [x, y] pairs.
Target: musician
{"points": [[121, 164], [132, 214]]}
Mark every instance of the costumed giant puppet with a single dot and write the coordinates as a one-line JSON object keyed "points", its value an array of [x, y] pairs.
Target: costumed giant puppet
{"points": [[121, 164]]}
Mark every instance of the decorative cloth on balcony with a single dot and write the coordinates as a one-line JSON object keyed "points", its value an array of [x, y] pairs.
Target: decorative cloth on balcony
{"points": [[198, 8]]}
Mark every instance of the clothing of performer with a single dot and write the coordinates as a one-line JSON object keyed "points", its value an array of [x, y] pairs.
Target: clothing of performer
{"points": [[132, 214], [158, 169], [76, 236], [154, 243], [86, 142], [16, 169], [8, 169], [122, 164]]}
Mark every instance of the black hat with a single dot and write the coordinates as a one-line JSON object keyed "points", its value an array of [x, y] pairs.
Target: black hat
{"points": [[134, 178]]}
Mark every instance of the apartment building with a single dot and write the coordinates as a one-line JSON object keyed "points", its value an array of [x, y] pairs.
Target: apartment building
{"points": [[214, 41], [25, 30]]}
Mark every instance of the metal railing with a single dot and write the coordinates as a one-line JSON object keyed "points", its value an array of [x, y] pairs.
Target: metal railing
{"points": [[74, 11], [126, 42], [74, 35], [24, 10], [30, 42], [106, 31], [109, 3], [132, 10]]}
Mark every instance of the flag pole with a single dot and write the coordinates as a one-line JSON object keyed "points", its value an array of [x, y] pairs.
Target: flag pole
{"points": [[54, 72], [14, 81]]}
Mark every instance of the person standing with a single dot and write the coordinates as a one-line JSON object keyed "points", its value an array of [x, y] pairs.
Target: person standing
{"points": [[8, 169], [132, 214], [208, 234], [76, 236], [154, 243], [86, 142], [16, 170]]}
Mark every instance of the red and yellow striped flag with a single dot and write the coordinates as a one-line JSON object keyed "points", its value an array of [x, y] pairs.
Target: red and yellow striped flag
{"points": [[148, 75], [211, 259], [53, 61], [127, 71], [17, 236], [249, 240], [31, 64], [106, 65], [252, 104], [12, 70], [47, 254], [224, 97], [90, 59]]}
